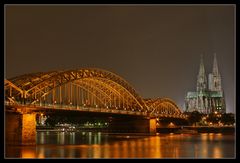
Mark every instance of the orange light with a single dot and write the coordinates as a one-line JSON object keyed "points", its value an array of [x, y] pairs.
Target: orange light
{"points": [[28, 153]]}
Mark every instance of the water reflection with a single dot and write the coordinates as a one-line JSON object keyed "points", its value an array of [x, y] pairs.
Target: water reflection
{"points": [[28, 153], [103, 145]]}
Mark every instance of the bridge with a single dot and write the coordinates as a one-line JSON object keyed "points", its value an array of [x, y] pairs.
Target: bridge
{"points": [[80, 90]]}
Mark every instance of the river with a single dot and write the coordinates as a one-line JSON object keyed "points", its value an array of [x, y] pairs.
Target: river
{"points": [[108, 145]]}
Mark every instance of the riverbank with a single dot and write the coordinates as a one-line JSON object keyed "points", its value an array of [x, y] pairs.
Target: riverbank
{"points": [[203, 129], [199, 129]]}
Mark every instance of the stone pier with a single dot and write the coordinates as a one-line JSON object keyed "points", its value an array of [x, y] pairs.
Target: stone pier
{"points": [[152, 125], [20, 128], [133, 125]]}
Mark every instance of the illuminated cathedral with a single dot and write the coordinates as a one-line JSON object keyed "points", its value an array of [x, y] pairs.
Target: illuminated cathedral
{"points": [[209, 96]]}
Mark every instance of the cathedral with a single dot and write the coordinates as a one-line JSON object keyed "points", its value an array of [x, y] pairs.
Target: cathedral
{"points": [[209, 96]]}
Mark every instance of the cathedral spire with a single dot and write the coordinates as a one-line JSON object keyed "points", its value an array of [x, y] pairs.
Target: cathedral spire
{"points": [[201, 69], [215, 77], [202, 79], [215, 66]]}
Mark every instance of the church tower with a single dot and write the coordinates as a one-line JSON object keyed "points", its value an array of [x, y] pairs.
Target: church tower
{"points": [[214, 78], [201, 79], [207, 100]]}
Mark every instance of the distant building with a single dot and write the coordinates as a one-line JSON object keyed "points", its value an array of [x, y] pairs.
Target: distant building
{"points": [[207, 99]]}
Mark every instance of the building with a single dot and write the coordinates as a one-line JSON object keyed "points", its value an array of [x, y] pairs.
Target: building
{"points": [[209, 96]]}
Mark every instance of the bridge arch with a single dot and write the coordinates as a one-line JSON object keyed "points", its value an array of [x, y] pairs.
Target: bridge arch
{"points": [[103, 86], [163, 106]]}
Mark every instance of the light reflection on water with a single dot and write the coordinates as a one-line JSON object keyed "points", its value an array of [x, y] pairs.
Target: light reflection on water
{"points": [[103, 145]]}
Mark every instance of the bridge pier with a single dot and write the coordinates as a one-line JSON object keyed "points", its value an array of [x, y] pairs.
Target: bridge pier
{"points": [[152, 125], [133, 125], [20, 128]]}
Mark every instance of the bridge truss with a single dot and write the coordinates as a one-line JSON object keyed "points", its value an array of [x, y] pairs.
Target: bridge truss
{"points": [[83, 88]]}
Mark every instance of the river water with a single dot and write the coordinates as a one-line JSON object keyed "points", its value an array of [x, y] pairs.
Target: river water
{"points": [[108, 145]]}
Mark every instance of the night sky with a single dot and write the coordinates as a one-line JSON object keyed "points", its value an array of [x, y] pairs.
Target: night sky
{"points": [[156, 48]]}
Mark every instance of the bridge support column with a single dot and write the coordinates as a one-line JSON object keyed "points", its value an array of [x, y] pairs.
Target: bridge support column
{"points": [[20, 128], [133, 124], [152, 125]]}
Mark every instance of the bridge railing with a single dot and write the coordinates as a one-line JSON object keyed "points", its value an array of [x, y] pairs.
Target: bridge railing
{"points": [[80, 108], [96, 109]]}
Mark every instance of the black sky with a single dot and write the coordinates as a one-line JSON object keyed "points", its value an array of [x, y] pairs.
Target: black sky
{"points": [[156, 48]]}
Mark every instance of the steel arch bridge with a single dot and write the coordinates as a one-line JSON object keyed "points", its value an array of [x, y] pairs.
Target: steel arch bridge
{"points": [[91, 88], [163, 107]]}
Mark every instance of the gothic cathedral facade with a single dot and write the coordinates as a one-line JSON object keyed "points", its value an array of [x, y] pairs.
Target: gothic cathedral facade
{"points": [[209, 96]]}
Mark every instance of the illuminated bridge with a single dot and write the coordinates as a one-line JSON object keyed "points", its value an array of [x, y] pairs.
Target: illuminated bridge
{"points": [[82, 90]]}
